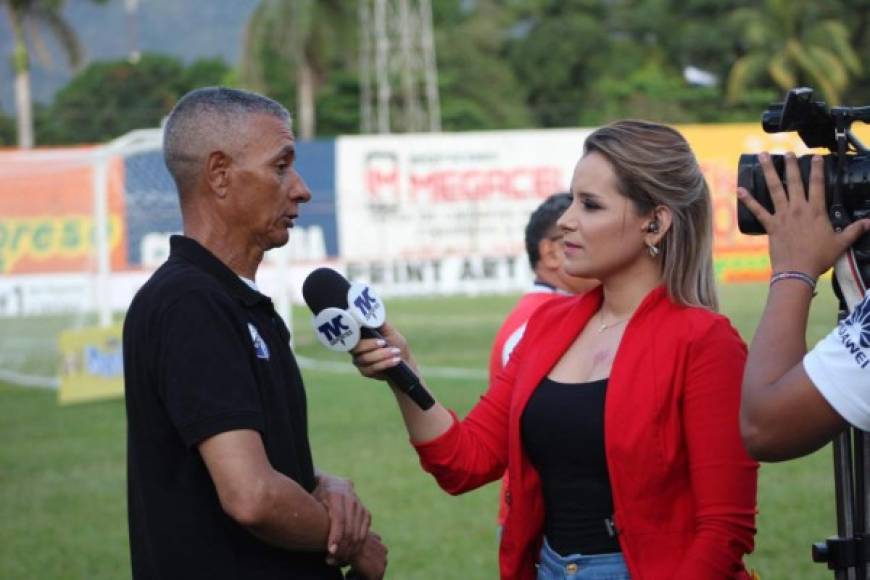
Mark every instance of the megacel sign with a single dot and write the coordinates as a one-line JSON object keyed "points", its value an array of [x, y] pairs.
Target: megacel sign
{"points": [[445, 194], [426, 183]]}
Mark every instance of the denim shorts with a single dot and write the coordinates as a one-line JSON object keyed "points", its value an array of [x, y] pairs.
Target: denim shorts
{"points": [[552, 566]]}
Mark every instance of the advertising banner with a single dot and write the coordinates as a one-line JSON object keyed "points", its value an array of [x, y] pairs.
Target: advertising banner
{"points": [[47, 211], [93, 364], [447, 194], [446, 213], [739, 257], [407, 203]]}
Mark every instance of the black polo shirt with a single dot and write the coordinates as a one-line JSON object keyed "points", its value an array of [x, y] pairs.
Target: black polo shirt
{"points": [[204, 353]]}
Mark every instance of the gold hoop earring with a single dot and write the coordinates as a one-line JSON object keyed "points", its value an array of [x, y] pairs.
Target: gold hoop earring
{"points": [[652, 249]]}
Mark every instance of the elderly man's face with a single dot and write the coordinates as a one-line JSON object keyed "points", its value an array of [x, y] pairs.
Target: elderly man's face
{"points": [[267, 189]]}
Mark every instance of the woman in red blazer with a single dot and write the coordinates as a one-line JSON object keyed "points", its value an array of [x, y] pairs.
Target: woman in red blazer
{"points": [[650, 481]]}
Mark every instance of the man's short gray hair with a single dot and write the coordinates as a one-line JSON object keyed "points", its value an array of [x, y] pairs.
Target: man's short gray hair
{"points": [[205, 120]]}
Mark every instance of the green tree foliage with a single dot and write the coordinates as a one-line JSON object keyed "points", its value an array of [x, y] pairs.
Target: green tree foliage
{"points": [[513, 63], [589, 62], [7, 131], [292, 50], [856, 15], [551, 63], [793, 42], [338, 110], [110, 98], [29, 21], [478, 87], [556, 50]]}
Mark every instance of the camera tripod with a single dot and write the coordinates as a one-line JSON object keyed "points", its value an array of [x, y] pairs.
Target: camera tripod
{"points": [[848, 553]]}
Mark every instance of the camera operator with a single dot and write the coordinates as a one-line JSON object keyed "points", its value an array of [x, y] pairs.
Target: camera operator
{"points": [[795, 401]]}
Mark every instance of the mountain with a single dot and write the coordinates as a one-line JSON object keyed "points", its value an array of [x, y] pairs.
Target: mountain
{"points": [[187, 29]]}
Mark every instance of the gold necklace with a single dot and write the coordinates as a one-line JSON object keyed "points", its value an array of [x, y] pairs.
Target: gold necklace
{"points": [[602, 326]]}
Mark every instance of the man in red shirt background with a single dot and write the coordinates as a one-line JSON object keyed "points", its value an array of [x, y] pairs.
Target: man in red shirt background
{"points": [[544, 249]]}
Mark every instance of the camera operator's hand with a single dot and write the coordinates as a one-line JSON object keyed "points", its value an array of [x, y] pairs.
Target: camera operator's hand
{"points": [[801, 236], [782, 413]]}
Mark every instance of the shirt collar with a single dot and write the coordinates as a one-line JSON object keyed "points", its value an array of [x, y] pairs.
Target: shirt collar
{"points": [[189, 250], [251, 284], [539, 286]]}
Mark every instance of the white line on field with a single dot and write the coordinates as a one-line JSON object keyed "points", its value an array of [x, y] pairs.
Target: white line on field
{"points": [[347, 368], [23, 380], [41, 382]]}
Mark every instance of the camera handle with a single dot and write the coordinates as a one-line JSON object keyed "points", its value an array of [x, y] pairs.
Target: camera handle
{"points": [[837, 210], [848, 553]]}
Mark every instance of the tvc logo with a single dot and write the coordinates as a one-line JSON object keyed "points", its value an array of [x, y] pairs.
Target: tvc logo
{"points": [[366, 304], [336, 329]]}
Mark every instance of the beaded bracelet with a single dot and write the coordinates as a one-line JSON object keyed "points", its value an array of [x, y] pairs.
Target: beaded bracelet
{"points": [[794, 275]]}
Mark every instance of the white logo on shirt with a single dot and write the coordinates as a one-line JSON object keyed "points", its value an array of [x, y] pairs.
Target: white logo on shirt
{"points": [[260, 348], [510, 344], [858, 322]]}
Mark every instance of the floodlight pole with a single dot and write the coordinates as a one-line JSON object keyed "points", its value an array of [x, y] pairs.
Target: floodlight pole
{"points": [[397, 46]]}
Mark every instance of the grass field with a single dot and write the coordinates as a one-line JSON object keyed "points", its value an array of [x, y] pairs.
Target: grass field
{"points": [[62, 469]]}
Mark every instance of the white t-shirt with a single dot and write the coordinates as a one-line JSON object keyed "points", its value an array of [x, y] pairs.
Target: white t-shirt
{"points": [[250, 283], [839, 366]]}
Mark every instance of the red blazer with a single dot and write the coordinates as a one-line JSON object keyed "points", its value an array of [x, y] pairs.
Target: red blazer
{"points": [[683, 485], [519, 316]]}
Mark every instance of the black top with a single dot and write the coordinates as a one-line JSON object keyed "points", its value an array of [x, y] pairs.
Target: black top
{"points": [[203, 354], [563, 433]]}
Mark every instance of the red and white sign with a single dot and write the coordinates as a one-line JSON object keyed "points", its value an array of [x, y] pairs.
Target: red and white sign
{"points": [[404, 196]]}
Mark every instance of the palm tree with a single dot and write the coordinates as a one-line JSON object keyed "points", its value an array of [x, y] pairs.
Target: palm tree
{"points": [[789, 42], [29, 19], [305, 33]]}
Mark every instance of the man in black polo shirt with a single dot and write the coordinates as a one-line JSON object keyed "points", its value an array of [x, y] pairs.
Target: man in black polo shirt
{"points": [[221, 482]]}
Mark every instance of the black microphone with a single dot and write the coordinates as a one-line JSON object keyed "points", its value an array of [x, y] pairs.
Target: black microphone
{"points": [[325, 288]]}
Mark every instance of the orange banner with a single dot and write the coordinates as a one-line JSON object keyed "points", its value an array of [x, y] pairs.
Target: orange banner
{"points": [[738, 257], [47, 211]]}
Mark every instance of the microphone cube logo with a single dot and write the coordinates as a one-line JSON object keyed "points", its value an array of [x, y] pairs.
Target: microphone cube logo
{"points": [[336, 329], [366, 306]]}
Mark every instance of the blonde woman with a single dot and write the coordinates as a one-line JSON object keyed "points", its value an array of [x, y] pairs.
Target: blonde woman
{"points": [[617, 414]]}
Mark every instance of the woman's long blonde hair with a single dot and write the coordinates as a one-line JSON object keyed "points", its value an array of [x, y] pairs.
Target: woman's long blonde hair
{"points": [[655, 166]]}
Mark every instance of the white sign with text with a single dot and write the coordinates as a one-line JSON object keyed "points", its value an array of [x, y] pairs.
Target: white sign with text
{"points": [[437, 195]]}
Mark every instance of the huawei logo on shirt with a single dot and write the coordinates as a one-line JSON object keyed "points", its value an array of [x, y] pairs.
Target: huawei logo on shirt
{"points": [[857, 327]]}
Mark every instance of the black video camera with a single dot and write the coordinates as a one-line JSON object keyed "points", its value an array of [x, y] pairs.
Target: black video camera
{"points": [[847, 167]]}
